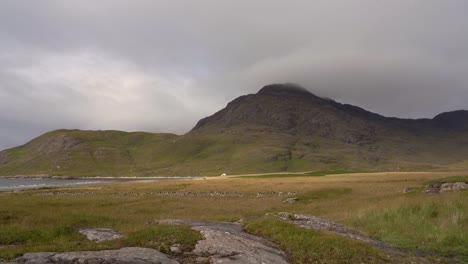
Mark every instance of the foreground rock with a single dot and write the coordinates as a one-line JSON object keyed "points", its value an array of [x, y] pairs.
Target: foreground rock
{"points": [[223, 243], [129, 255], [320, 224], [227, 243], [99, 234]]}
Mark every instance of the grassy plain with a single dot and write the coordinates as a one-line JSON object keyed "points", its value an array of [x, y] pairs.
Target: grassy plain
{"points": [[434, 225]]}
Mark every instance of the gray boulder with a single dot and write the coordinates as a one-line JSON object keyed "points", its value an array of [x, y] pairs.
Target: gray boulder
{"points": [[291, 200]]}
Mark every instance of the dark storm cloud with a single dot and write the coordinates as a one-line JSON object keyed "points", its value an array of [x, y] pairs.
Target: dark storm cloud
{"points": [[162, 65]]}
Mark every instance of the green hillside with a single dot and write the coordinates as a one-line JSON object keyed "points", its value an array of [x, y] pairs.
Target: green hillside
{"points": [[115, 153]]}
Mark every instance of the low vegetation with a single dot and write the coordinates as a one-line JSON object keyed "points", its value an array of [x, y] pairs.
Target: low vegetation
{"points": [[432, 225], [310, 174]]}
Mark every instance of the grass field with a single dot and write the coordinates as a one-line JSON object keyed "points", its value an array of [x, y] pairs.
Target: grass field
{"points": [[434, 225]]}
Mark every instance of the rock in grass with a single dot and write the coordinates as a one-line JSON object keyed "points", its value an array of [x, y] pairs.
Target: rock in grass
{"points": [[100, 234], [433, 187], [291, 200], [408, 190], [453, 186], [176, 249], [439, 187], [134, 255]]}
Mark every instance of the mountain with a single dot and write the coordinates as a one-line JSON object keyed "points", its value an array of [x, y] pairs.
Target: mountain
{"points": [[283, 127], [455, 120]]}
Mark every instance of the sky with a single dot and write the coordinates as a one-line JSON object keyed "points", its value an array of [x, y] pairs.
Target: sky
{"points": [[160, 66]]}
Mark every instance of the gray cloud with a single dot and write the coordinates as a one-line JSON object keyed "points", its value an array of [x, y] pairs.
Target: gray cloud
{"points": [[162, 65]]}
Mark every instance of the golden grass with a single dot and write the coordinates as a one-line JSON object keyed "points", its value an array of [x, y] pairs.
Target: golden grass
{"points": [[372, 202]]}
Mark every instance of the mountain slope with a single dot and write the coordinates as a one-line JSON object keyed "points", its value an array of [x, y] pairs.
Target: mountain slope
{"points": [[280, 128]]}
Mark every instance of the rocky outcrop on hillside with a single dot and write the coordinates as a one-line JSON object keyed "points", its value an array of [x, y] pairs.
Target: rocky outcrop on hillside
{"points": [[3, 158], [58, 143]]}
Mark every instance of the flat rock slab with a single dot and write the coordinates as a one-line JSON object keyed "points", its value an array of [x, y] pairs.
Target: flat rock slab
{"points": [[320, 224], [130, 255], [227, 243], [100, 234]]}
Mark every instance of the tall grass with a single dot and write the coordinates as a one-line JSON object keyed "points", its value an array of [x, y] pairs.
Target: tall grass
{"points": [[434, 225], [308, 246]]}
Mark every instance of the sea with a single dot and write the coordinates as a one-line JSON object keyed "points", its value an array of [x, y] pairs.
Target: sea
{"points": [[7, 184]]}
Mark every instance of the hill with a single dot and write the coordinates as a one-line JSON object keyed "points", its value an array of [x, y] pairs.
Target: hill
{"points": [[283, 127]]}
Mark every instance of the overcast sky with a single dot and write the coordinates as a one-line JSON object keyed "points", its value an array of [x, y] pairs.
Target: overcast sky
{"points": [[160, 66]]}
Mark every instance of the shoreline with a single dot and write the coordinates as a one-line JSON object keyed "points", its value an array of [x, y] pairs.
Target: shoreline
{"points": [[113, 178], [85, 181]]}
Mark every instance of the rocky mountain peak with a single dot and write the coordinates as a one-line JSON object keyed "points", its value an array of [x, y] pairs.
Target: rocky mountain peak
{"points": [[284, 89], [291, 109], [284, 108]]}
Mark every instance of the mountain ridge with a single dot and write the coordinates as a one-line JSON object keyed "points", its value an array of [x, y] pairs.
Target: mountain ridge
{"points": [[452, 119], [283, 127]]}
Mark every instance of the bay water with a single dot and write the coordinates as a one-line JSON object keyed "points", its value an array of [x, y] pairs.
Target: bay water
{"points": [[7, 184]]}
